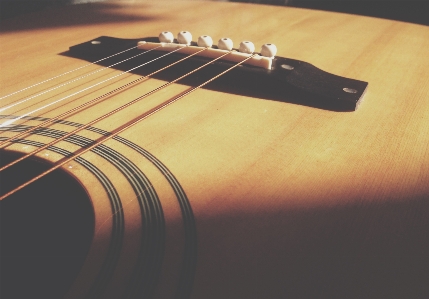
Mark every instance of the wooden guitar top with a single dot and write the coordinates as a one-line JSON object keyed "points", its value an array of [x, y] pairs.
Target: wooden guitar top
{"points": [[232, 196]]}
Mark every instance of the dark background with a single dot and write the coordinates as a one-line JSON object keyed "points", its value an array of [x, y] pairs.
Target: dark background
{"points": [[402, 10]]}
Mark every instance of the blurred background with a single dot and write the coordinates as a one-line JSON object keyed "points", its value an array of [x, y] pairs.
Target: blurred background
{"points": [[402, 10]]}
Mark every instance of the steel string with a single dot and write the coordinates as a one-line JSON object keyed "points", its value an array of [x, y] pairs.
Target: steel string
{"points": [[39, 149], [132, 122], [71, 81], [63, 74]]}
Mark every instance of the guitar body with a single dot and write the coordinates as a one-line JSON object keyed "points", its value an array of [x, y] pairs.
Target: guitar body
{"points": [[218, 195]]}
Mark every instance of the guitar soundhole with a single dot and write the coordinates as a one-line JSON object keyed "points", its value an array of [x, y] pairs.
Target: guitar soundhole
{"points": [[46, 231]]}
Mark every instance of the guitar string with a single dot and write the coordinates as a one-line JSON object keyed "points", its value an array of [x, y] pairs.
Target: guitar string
{"points": [[39, 149], [71, 81], [131, 123], [105, 115], [11, 121], [93, 101], [63, 74]]}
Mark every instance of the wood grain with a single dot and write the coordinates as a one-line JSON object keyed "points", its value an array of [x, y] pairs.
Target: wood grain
{"points": [[289, 200]]}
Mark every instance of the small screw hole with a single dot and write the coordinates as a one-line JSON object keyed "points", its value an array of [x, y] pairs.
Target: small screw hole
{"points": [[350, 90], [287, 67]]}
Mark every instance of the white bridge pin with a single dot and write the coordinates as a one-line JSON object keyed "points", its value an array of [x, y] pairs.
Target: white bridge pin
{"points": [[247, 47], [184, 37], [205, 41], [225, 44], [166, 37], [269, 50]]}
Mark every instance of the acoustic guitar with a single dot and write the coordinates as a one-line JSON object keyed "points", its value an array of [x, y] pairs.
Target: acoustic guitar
{"points": [[138, 166]]}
